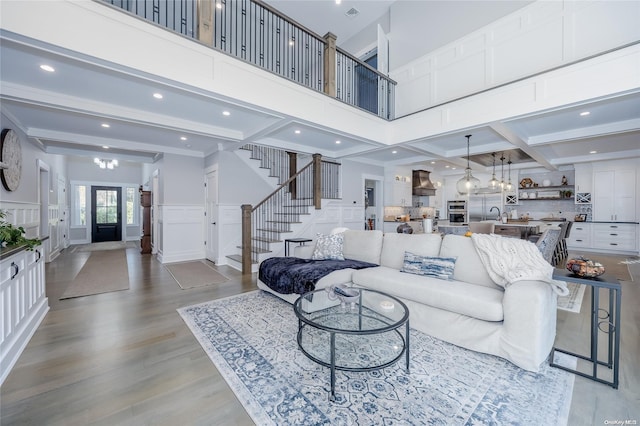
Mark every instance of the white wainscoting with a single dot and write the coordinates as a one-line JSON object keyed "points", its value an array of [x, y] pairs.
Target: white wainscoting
{"points": [[229, 231], [23, 304], [54, 241], [26, 215], [181, 233], [535, 38]]}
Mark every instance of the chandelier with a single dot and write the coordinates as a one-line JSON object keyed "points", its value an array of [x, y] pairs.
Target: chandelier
{"points": [[468, 183], [106, 164]]}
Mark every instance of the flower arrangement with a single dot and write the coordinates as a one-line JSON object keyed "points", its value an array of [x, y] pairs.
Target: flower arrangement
{"points": [[11, 235]]}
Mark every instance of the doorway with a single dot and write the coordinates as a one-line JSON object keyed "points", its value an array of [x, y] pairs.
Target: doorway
{"points": [[373, 205], [106, 216], [212, 215]]}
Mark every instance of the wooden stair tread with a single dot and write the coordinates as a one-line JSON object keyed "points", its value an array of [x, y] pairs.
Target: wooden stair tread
{"points": [[237, 258], [266, 240], [256, 250]]}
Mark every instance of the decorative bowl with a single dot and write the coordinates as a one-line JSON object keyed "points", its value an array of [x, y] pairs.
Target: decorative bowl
{"points": [[585, 268]]}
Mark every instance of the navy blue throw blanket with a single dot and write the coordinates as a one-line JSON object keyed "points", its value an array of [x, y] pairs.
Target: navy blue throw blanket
{"points": [[288, 275]]}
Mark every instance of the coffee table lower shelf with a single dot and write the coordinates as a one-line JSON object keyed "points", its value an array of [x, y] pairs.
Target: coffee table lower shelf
{"points": [[349, 322]]}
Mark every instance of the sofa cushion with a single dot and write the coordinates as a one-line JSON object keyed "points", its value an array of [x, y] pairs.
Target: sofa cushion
{"points": [[472, 300], [438, 267], [469, 267], [394, 246], [364, 246], [329, 247]]}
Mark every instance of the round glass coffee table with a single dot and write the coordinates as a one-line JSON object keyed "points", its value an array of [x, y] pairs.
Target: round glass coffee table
{"points": [[368, 331]]}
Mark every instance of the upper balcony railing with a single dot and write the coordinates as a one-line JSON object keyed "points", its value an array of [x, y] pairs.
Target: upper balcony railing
{"points": [[256, 33]]}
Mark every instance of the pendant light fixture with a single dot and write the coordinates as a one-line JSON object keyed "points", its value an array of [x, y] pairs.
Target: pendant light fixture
{"points": [[468, 183], [502, 168], [509, 186], [493, 183]]}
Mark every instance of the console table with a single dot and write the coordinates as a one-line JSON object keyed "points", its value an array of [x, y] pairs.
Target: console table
{"points": [[605, 319], [300, 241]]}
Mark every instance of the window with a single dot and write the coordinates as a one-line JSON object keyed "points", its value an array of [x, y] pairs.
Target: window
{"points": [[79, 217], [132, 206]]}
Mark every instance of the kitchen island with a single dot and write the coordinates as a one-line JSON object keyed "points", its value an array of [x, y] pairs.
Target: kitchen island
{"points": [[511, 229]]}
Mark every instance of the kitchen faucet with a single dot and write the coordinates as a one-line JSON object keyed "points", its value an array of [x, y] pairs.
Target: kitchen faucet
{"points": [[497, 208]]}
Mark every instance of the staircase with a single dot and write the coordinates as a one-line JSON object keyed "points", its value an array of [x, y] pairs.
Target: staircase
{"points": [[280, 215]]}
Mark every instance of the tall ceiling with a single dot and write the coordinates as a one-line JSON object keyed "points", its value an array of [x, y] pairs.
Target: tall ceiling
{"points": [[64, 111]]}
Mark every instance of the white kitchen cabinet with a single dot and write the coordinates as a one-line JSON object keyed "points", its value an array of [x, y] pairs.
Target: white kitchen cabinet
{"points": [[23, 303], [614, 195], [615, 236], [584, 177], [579, 236], [399, 192]]}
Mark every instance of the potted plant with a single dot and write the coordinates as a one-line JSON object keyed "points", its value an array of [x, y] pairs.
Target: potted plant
{"points": [[11, 235]]}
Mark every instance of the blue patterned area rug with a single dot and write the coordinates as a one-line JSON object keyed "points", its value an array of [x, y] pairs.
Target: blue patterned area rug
{"points": [[251, 339]]}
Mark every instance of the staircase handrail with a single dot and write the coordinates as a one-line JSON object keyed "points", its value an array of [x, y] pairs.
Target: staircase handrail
{"points": [[291, 179]]}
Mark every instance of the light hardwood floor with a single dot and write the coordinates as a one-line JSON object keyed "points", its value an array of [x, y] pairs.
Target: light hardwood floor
{"points": [[127, 358]]}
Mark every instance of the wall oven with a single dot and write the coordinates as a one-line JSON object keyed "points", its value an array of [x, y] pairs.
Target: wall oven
{"points": [[457, 211]]}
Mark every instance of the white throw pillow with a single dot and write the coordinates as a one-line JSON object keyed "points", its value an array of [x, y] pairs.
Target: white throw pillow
{"points": [[329, 247]]}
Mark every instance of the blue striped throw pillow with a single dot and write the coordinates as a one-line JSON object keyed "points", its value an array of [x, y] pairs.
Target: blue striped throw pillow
{"points": [[439, 267]]}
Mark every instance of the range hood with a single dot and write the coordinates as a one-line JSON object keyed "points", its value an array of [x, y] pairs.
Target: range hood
{"points": [[422, 185]]}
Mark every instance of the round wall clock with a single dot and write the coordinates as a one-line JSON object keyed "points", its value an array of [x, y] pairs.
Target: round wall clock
{"points": [[11, 157]]}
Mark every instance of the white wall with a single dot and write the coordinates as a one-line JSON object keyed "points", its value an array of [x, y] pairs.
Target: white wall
{"points": [[420, 27], [180, 215], [538, 37], [23, 204]]}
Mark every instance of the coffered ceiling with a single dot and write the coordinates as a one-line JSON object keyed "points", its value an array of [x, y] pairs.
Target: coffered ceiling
{"points": [[66, 112]]}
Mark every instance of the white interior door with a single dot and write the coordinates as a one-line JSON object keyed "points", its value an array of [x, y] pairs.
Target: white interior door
{"points": [[212, 215]]}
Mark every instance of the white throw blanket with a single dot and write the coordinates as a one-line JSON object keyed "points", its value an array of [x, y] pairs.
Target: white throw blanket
{"points": [[509, 260]]}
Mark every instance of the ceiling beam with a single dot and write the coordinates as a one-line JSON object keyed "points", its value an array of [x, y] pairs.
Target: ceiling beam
{"points": [[505, 131]]}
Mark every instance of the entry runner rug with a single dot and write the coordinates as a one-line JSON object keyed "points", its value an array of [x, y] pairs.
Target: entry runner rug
{"points": [[103, 272], [195, 274], [251, 339], [105, 245]]}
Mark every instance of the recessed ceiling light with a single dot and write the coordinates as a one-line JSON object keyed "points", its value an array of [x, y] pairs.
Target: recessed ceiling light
{"points": [[584, 113], [338, 1], [433, 162], [446, 167], [47, 68], [593, 152], [105, 146], [227, 113], [394, 152], [158, 95], [297, 132], [338, 142], [453, 168], [183, 138], [105, 125], [218, 5]]}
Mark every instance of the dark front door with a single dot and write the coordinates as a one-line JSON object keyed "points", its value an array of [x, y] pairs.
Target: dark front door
{"points": [[106, 214]]}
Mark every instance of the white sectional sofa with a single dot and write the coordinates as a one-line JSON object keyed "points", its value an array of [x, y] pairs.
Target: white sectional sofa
{"points": [[517, 323]]}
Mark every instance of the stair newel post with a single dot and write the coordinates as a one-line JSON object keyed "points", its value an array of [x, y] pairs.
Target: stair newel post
{"points": [[205, 21], [293, 169], [317, 181], [246, 238], [330, 64]]}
